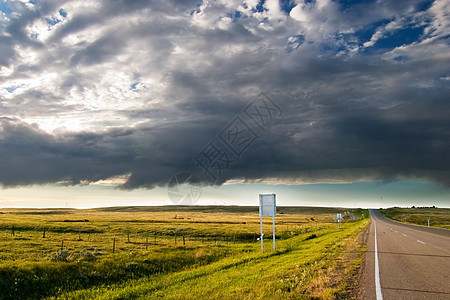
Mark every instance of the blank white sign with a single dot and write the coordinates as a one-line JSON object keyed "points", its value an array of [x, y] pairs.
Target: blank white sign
{"points": [[267, 205]]}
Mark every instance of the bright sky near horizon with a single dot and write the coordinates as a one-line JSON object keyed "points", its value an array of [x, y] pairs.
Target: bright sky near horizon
{"points": [[326, 103]]}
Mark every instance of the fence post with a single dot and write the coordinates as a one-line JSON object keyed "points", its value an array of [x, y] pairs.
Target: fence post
{"points": [[146, 242], [43, 234], [114, 245]]}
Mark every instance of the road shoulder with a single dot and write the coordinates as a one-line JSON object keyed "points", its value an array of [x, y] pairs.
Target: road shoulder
{"points": [[361, 276]]}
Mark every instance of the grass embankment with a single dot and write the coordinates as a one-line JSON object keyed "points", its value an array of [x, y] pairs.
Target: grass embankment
{"points": [[439, 217], [192, 253]]}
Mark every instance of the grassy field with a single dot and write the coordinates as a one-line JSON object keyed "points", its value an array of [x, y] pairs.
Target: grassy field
{"points": [[177, 252], [439, 217]]}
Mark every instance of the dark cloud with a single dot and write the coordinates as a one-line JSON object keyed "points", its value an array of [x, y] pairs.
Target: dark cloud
{"points": [[150, 84]]}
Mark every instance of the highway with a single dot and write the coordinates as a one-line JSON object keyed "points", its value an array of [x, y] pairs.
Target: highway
{"points": [[405, 261]]}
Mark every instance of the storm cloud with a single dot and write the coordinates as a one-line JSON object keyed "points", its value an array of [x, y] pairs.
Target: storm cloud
{"points": [[148, 89]]}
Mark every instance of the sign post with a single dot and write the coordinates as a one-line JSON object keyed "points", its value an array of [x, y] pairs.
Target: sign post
{"points": [[428, 219], [338, 218], [267, 208]]}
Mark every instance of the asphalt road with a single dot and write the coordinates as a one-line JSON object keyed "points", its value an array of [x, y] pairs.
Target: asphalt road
{"points": [[405, 262]]}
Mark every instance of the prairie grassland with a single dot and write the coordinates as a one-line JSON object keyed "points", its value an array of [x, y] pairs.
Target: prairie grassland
{"points": [[439, 217], [173, 252]]}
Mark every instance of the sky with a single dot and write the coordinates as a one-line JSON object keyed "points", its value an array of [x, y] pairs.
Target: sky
{"points": [[326, 103]]}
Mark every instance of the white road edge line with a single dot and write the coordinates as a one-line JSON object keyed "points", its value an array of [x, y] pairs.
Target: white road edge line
{"points": [[377, 269], [421, 242]]}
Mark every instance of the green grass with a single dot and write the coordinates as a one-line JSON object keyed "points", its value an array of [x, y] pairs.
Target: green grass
{"points": [[301, 268], [219, 259], [439, 217]]}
